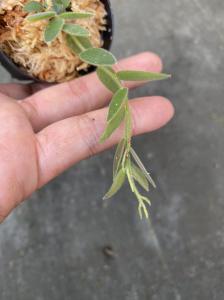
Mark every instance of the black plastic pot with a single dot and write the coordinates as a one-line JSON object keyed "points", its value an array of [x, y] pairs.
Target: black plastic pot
{"points": [[20, 73]]}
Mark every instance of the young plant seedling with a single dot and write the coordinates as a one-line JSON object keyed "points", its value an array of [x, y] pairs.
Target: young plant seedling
{"points": [[127, 165]]}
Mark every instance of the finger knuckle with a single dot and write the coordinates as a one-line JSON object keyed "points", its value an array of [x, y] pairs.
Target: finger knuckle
{"points": [[78, 88], [89, 133]]}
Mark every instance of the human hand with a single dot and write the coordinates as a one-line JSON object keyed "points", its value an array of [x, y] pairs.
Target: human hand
{"points": [[44, 133]]}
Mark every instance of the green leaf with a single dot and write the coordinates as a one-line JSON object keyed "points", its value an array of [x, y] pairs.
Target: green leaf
{"points": [[113, 124], [41, 16], [141, 166], [75, 29], [58, 6], [118, 99], [78, 44], [76, 15], [118, 157], [109, 78], [117, 184], [45, 5], [53, 29], [33, 6], [141, 76], [66, 3], [141, 199], [139, 176], [98, 57], [128, 123]]}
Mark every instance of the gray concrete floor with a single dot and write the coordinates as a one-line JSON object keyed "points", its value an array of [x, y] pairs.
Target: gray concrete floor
{"points": [[52, 246]]}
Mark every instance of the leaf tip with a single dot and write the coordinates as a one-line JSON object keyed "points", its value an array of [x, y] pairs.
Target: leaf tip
{"points": [[105, 197], [168, 76]]}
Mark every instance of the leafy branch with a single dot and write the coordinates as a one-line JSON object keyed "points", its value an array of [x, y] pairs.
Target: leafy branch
{"points": [[127, 165]]}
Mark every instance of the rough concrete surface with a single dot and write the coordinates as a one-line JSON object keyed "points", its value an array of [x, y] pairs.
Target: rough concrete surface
{"points": [[52, 246]]}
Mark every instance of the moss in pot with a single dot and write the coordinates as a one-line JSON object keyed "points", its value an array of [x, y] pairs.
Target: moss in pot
{"points": [[39, 57], [55, 40]]}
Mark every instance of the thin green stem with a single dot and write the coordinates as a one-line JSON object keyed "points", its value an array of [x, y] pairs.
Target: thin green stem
{"points": [[112, 81]]}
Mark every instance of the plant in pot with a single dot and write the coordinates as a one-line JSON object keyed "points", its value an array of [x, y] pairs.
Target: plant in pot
{"points": [[58, 40]]}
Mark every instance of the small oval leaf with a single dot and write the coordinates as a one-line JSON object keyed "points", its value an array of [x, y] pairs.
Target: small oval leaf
{"points": [[76, 15], [139, 176], [76, 30], [66, 3], [114, 123], [128, 123], [98, 57], [33, 6], [109, 78], [53, 29], [141, 76], [41, 16], [118, 99], [117, 184], [141, 166], [58, 7], [118, 157], [77, 43]]}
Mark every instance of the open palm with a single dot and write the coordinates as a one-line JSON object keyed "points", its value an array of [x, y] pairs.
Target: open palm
{"points": [[44, 133]]}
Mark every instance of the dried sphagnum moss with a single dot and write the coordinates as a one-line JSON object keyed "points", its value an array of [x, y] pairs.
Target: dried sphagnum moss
{"points": [[24, 42], [127, 165]]}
